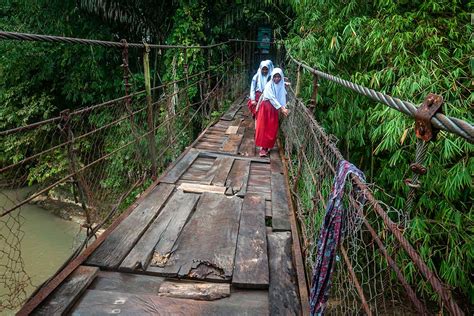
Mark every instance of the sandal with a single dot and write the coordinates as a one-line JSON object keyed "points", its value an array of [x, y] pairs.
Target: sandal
{"points": [[262, 153]]}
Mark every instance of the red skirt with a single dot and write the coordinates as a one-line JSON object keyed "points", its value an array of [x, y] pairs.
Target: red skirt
{"points": [[252, 107], [266, 125]]}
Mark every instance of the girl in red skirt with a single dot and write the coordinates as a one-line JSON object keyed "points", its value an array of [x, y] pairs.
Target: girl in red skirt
{"points": [[272, 101], [259, 81]]}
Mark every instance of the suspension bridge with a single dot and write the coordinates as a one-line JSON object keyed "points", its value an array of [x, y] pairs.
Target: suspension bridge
{"points": [[216, 230]]}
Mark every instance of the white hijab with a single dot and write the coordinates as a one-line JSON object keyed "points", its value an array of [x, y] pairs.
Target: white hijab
{"points": [[275, 93], [259, 78], [270, 66]]}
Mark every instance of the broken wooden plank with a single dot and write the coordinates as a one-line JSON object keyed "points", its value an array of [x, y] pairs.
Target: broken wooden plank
{"points": [[223, 171], [283, 291], [232, 143], [174, 174], [66, 295], [205, 248], [114, 249], [200, 188], [195, 290], [160, 237], [237, 175], [251, 260], [232, 130], [280, 209], [103, 303]]}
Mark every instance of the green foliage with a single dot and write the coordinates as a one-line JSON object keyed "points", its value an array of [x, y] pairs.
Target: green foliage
{"points": [[38, 80], [405, 49]]}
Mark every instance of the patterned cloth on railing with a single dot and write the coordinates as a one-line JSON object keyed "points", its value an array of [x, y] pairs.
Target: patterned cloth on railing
{"points": [[329, 237]]}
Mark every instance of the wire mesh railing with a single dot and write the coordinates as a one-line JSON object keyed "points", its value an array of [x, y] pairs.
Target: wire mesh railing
{"points": [[373, 256], [95, 160]]}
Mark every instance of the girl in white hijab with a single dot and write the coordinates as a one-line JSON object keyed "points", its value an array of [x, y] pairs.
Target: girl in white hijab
{"points": [[272, 101], [259, 81]]}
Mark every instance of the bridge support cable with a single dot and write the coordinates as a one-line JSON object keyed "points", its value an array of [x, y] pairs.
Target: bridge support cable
{"points": [[440, 121]]}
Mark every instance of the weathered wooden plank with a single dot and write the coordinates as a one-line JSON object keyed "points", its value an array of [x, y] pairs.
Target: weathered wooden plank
{"points": [[207, 147], [261, 168], [203, 161], [234, 108], [211, 144], [103, 303], [216, 139], [64, 297], [268, 209], [251, 260], [212, 141], [222, 123], [192, 176], [173, 175], [280, 209], [126, 282], [216, 130], [204, 153], [232, 130], [245, 181], [275, 162], [157, 242], [211, 173], [260, 179], [205, 248], [219, 128], [198, 170], [237, 175], [232, 143], [247, 147], [265, 195], [195, 290], [283, 291], [200, 188], [114, 249], [229, 116], [248, 123], [223, 170]]}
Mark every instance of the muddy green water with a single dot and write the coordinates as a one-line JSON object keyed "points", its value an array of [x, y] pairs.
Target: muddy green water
{"points": [[47, 242]]}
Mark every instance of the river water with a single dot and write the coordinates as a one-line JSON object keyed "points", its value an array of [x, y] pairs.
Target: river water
{"points": [[48, 240]]}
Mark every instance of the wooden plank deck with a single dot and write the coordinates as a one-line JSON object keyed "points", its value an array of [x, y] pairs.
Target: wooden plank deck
{"points": [[213, 237]]}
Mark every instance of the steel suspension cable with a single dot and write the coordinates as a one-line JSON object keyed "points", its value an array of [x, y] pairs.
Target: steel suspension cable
{"points": [[440, 121], [74, 40]]}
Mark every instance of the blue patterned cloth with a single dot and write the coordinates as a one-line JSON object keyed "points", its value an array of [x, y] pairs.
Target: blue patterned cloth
{"points": [[329, 238]]}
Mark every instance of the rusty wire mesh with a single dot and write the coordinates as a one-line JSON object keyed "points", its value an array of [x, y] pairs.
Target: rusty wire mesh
{"points": [[93, 162], [363, 282]]}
